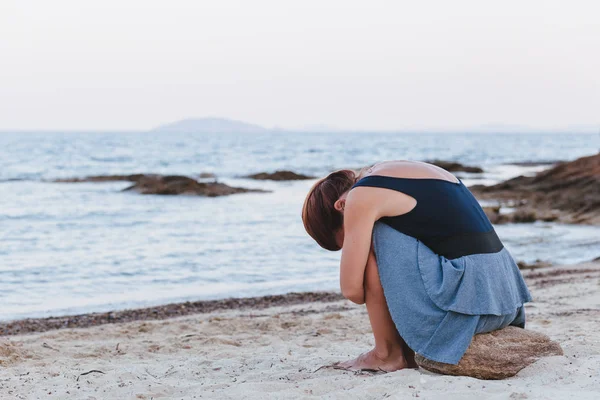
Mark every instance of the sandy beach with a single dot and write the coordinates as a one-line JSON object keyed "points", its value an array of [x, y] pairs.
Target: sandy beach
{"points": [[277, 352]]}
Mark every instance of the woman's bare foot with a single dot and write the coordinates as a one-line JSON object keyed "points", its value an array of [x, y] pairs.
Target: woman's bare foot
{"points": [[373, 361]]}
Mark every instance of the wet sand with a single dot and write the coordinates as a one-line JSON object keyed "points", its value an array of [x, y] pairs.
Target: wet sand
{"points": [[275, 348]]}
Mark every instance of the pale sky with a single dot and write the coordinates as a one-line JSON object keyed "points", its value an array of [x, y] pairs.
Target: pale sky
{"points": [[135, 64]]}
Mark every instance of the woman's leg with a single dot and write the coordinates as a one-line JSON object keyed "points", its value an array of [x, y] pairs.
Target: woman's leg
{"points": [[391, 352]]}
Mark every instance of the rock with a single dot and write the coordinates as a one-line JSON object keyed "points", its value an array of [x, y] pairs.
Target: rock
{"points": [[167, 185], [534, 163], [102, 178], [454, 166], [535, 265], [497, 355], [279, 176], [569, 192], [206, 175], [519, 216], [175, 184], [493, 213]]}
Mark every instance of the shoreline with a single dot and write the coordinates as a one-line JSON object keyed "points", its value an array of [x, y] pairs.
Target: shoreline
{"points": [[287, 351], [162, 312], [535, 276]]}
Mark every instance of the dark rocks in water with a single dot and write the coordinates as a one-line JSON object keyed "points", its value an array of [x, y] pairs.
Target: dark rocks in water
{"points": [[279, 176], [206, 175], [534, 163], [521, 215], [569, 192], [102, 178], [529, 215], [498, 354], [493, 213], [452, 166], [166, 185], [175, 184], [534, 265]]}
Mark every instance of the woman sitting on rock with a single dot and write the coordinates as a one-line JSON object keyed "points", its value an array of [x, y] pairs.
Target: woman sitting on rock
{"points": [[419, 251]]}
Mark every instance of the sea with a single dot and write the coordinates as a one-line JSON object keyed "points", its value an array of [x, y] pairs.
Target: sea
{"points": [[70, 248]]}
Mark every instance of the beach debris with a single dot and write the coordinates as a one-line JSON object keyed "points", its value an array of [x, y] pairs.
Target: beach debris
{"points": [[452, 166], [47, 346], [169, 311], [281, 175], [498, 354], [90, 372], [360, 371], [569, 192]]}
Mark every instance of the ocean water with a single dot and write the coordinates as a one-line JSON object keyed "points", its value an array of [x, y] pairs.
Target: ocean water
{"points": [[72, 248]]}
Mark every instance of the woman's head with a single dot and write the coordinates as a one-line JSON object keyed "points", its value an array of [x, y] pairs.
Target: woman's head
{"points": [[322, 212]]}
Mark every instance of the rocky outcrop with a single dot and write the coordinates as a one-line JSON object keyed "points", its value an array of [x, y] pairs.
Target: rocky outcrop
{"points": [[521, 215], [455, 167], [279, 176], [534, 265], [102, 178], [167, 185], [497, 355], [568, 192], [534, 163], [175, 184]]}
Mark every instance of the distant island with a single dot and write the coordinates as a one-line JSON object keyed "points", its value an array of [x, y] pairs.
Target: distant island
{"points": [[210, 125], [216, 125]]}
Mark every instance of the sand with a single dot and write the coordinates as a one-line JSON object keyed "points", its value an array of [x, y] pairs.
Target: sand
{"points": [[276, 353]]}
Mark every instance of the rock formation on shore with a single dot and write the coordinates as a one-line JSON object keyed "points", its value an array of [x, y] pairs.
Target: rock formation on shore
{"points": [[497, 355], [523, 214], [166, 185], [534, 265], [279, 176], [452, 166], [172, 185], [102, 178], [569, 192]]}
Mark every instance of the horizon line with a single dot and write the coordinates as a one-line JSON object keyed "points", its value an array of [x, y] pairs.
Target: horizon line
{"points": [[324, 131]]}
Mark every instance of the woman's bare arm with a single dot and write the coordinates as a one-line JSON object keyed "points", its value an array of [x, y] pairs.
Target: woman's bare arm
{"points": [[364, 206], [359, 217]]}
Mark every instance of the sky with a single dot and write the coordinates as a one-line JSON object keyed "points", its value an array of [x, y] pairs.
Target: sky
{"points": [[382, 65]]}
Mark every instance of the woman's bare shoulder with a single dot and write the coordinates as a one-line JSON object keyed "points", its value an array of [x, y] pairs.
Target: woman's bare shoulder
{"points": [[407, 169]]}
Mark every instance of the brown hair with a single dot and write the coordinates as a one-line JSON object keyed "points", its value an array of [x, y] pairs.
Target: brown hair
{"points": [[321, 220]]}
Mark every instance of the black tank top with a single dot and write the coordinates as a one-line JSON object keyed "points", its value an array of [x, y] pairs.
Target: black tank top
{"points": [[447, 218]]}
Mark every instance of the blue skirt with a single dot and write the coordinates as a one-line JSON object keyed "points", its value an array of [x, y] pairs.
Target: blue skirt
{"points": [[439, 304]]}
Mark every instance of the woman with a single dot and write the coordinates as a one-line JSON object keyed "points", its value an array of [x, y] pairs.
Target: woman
{"points": [[419, 251]]}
